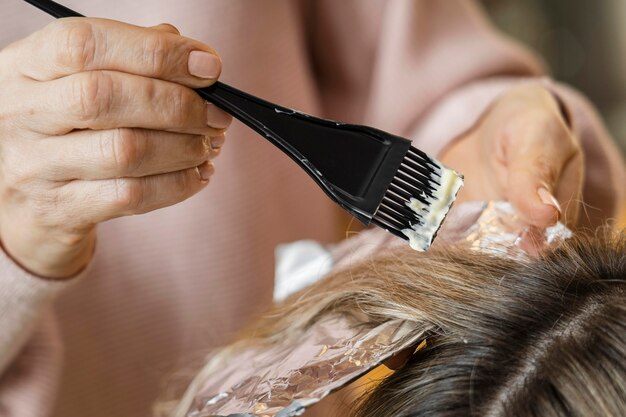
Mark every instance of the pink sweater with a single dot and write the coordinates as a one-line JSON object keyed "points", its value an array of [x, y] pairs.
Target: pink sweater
{"points": [[167, 286]]}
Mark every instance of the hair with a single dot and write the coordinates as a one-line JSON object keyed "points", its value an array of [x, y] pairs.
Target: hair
{"points": [[541, 336]]}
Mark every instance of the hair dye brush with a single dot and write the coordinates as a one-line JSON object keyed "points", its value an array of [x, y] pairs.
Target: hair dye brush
{"points": [[377, 177]]}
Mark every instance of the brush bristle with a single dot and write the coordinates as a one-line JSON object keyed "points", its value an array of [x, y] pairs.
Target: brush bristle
{"points": [[418, 199]]}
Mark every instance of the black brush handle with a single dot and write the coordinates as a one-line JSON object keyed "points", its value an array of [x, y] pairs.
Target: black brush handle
{"points": [[343, 159], [237, 103], [54, 9]]}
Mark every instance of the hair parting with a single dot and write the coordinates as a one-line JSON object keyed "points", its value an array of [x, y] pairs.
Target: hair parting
{"points": [[538, 336]]}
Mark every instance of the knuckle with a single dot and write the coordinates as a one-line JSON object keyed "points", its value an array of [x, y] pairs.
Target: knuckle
{"points": [[181, 185], [150, 89], [128, 194], [180, 108], [201, 148], [91, 95], [123, 150], [12, 188], [76, 44], [72, 237], [170, 28], [156, 50]]}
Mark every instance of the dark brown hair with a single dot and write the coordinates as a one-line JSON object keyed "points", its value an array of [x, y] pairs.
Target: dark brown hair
{"points": [[540, 338], [543, 336]]}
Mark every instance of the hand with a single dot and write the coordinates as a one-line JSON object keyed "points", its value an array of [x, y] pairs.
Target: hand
{"points": [[98, 120], [522, 151]]}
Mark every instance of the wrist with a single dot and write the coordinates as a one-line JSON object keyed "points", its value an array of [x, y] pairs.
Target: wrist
{"points": [[52, 260]]}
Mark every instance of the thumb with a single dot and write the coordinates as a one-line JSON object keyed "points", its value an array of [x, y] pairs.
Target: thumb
{"points": [[535, 173], [532, 196]]}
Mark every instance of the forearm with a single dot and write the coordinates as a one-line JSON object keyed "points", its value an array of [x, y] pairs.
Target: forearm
{"points": [[23, 297], [29, 385]]}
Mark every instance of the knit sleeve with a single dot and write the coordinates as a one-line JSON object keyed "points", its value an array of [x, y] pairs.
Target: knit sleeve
{"points": [[30, 345]]}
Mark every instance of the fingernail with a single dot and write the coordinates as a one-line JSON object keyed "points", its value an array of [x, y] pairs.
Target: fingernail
{"points": [[216, 117], [218, 141], [547, 198], [205, 170], [204, 64]]}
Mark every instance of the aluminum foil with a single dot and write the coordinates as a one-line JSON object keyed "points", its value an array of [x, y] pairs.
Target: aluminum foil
{"points": [[498, 230], [282, 380]]}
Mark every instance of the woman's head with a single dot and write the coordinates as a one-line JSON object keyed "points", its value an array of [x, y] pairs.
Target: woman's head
{"points": [[543, 336]]}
